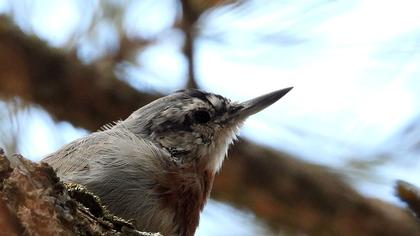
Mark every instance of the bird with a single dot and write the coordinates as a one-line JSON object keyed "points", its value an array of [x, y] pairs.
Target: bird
{"points": [[157, 166]]}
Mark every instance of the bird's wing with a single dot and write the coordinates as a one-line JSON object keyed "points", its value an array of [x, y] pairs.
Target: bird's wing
{"points": [[99, 149], [75, 156]]}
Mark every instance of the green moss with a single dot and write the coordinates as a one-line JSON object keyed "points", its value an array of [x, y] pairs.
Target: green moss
{"points": [[95, 206]]}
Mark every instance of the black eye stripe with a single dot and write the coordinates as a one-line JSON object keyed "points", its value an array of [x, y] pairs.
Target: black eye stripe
{"points": [[235, 109], [172, 125], [185, 122], [201, 116]]}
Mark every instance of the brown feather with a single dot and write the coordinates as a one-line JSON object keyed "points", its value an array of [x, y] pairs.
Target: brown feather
{"points": [[185, 191]]}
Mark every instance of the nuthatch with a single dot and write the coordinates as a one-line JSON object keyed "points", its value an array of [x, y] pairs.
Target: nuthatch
{"points": [[157, 166]]}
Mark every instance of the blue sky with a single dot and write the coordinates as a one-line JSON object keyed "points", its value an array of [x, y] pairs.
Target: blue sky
{"points": [[354, 66]]}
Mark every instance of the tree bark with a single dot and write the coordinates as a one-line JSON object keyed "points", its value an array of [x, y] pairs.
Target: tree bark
{"points": [[34, 202]]}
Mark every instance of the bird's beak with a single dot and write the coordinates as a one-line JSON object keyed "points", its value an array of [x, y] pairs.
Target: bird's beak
{"points": [[250, 107]]}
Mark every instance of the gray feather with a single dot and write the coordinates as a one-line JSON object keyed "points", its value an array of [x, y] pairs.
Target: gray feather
{"points": [[96, 161]]}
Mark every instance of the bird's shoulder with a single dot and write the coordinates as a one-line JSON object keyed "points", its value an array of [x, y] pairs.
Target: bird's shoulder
{"points": [[117, 144]]}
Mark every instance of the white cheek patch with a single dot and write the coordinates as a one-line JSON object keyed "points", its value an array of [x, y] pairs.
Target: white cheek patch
{"points": [[220, 147]]}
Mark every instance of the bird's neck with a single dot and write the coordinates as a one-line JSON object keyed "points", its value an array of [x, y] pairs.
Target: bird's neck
{"points": [[186, 191]]}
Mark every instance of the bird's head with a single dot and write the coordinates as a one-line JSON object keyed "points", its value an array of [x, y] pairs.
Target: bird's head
{"points": [[196, 126]]}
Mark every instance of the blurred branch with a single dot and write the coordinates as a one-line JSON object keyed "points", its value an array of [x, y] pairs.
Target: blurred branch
{"points": [[191, 12], [189, 18], [409, 194], [65, 87], [281, 190], [300, 197]]}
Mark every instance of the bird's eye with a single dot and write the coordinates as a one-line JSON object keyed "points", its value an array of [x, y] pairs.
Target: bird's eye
{"points": [[201, 116]]}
